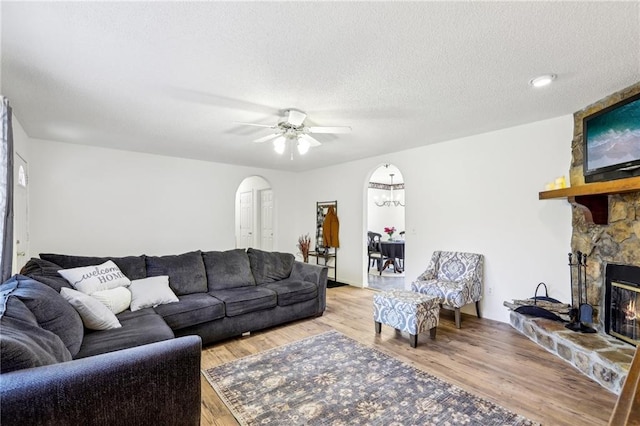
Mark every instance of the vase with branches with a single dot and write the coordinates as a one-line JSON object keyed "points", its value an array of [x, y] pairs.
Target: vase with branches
{"points": [[304, 243]]}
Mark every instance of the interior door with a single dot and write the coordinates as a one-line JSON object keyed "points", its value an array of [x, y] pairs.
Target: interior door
{"points": [[246, 220], [266, 220], [20, 213]]}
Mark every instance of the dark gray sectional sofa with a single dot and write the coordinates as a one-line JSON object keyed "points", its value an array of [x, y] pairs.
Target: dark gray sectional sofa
{"points": [[54, 371]]}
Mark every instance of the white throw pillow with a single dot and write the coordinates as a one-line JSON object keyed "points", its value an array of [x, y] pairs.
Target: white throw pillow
{"points": [[116, 299], [94, 314], [151, 292], [89, 279]]}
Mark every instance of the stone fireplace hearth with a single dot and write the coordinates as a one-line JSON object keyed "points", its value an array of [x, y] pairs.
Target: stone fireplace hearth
{"points": [[599, 356]]}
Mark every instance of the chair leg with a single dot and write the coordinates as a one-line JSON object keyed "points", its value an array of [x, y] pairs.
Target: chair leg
{"points": [[413, 340], [478, 309], [432, 332], [458, 320]]}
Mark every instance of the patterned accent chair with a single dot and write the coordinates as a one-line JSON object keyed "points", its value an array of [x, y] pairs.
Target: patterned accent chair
{"points": [[454, 278]]}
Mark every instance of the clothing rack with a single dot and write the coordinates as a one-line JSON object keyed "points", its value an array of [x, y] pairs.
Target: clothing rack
{"points": [[325, 256]]}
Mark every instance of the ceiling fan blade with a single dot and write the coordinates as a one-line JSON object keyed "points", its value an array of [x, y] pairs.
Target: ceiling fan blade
{"points": [[312, 141], [325, 129], [296, 118], [267, 138], [256, 125]]}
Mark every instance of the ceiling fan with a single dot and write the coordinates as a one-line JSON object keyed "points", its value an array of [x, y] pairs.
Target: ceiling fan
{"points": [[292, 129]]}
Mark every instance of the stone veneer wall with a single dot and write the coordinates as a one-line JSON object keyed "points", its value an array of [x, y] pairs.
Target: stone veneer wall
{"points": [[617, 242]]}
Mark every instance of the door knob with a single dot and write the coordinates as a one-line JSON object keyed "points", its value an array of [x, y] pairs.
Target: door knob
{"points": [[21, 253]]}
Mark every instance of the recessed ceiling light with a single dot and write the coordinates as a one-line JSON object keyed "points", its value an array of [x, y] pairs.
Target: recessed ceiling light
{"points": [[543, 80]]}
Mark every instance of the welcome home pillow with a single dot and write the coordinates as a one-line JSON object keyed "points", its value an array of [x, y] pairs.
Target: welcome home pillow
{"points": [[89, 279]]}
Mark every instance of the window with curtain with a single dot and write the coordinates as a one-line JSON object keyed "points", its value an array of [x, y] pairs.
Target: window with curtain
{"points": [[6, 190]]}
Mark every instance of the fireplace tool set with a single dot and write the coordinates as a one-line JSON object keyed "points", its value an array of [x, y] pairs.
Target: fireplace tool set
{"points": [[581, 313], [578, 315]]}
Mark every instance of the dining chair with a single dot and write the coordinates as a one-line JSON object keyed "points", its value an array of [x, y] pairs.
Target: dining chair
{"points": [[373, 249]]}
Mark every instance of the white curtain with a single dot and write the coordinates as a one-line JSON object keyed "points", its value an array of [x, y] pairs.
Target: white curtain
{"points": [[6, 191]]}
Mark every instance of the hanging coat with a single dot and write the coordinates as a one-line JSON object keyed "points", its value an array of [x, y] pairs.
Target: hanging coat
{"points": [[330, 229]]}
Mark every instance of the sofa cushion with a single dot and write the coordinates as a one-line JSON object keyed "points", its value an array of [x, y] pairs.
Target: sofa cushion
{"points": [[186, 271], [125, 315], [227, 269], [132, 266], [51, 311], [292, 291], [268, 267], [192, 309], [23, 343], [138, 328], [45, 272], [238, 301]]}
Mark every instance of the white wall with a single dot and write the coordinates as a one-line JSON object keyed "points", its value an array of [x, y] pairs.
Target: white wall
{"points": [[480, 194], [94, 201], [20, 138], [477, 194]]}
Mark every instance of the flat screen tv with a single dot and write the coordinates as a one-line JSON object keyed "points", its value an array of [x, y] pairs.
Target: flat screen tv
{"points": [[612, 142]]}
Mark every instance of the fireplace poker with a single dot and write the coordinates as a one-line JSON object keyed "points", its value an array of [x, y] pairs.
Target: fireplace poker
{"points": [[571, 278], [579, 278], [574, 325], [586, 310]]}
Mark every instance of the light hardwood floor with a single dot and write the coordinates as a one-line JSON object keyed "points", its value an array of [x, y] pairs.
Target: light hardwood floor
{"points": [[485, 357]]}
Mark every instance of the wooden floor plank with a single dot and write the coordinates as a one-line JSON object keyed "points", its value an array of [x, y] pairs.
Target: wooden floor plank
{"points": [[485, 357]]}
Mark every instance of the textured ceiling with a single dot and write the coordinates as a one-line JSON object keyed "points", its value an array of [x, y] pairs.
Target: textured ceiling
{"points": [[174, 78]]}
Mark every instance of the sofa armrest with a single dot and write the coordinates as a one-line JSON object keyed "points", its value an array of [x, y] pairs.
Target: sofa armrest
{"points": [[155, 382], [316, 274]]}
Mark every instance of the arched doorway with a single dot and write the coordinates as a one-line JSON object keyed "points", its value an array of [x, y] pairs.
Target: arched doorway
{"points": [[385, 212], [254, 214]]}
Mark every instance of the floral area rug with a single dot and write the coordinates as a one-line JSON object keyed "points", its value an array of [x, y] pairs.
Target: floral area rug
{"points": [[331, 379]]}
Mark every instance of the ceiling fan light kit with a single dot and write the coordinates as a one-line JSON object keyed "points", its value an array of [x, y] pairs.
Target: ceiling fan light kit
{"points": [[292, 129], [279, 144], [303, 146]]}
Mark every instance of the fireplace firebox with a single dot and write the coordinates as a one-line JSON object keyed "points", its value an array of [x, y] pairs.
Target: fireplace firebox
{"points": [[622, 302]]}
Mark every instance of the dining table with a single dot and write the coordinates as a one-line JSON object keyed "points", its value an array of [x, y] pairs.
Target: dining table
{"points": [[392, 254]]}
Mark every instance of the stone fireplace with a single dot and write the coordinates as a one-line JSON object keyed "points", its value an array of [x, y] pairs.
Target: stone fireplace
{"points": [[617, 242], [611, 245]]}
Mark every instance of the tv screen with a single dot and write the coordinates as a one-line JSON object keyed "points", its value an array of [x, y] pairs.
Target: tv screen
{"points": [[612, 142]]}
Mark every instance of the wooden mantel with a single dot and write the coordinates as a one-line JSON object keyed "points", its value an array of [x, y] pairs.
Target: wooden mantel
{"points": [[593, 198]]}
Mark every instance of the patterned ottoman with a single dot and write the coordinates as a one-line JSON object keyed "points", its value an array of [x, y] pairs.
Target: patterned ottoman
{"points": [[407, 311]]}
